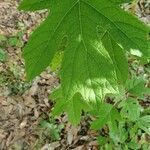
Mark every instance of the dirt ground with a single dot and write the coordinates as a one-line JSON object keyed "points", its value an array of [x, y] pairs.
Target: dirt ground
{"points": [[24, 105]]}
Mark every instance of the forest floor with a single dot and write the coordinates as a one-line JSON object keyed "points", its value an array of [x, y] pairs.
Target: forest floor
{"points": [[25, 107]]}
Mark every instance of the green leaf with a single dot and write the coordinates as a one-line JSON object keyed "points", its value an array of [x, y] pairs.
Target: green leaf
{"points": [[34, 4], [130, 109], [73, 107], [13, 41], [102, 140], [146, 111], [89, 71], [118, 57], [51, 129], [121, 1], [134, 144], [108, 146], [60, 103], [56, 62], [107, 114], [2, 38], [136, 86], [97, 35], [2, 55], [144, 123], [118, 133]]}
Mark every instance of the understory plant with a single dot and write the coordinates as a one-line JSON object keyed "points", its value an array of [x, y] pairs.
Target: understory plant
{"points": [[124, 119], [87, 42]]}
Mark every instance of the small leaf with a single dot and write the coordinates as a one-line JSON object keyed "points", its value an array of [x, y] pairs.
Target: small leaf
{"points": [[13, 41], [144, 124], [118, 132], [107, 113], [51, 129], [2, 38], [130, 109], [2, 55], [102, 140], [134, 145], [136, 86]]}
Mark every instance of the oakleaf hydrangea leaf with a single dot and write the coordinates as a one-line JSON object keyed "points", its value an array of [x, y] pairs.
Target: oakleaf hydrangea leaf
{"points": [[97, 33]]}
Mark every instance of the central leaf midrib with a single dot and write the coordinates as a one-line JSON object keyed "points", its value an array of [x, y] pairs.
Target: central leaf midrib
{"points": [[83, 42]]}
